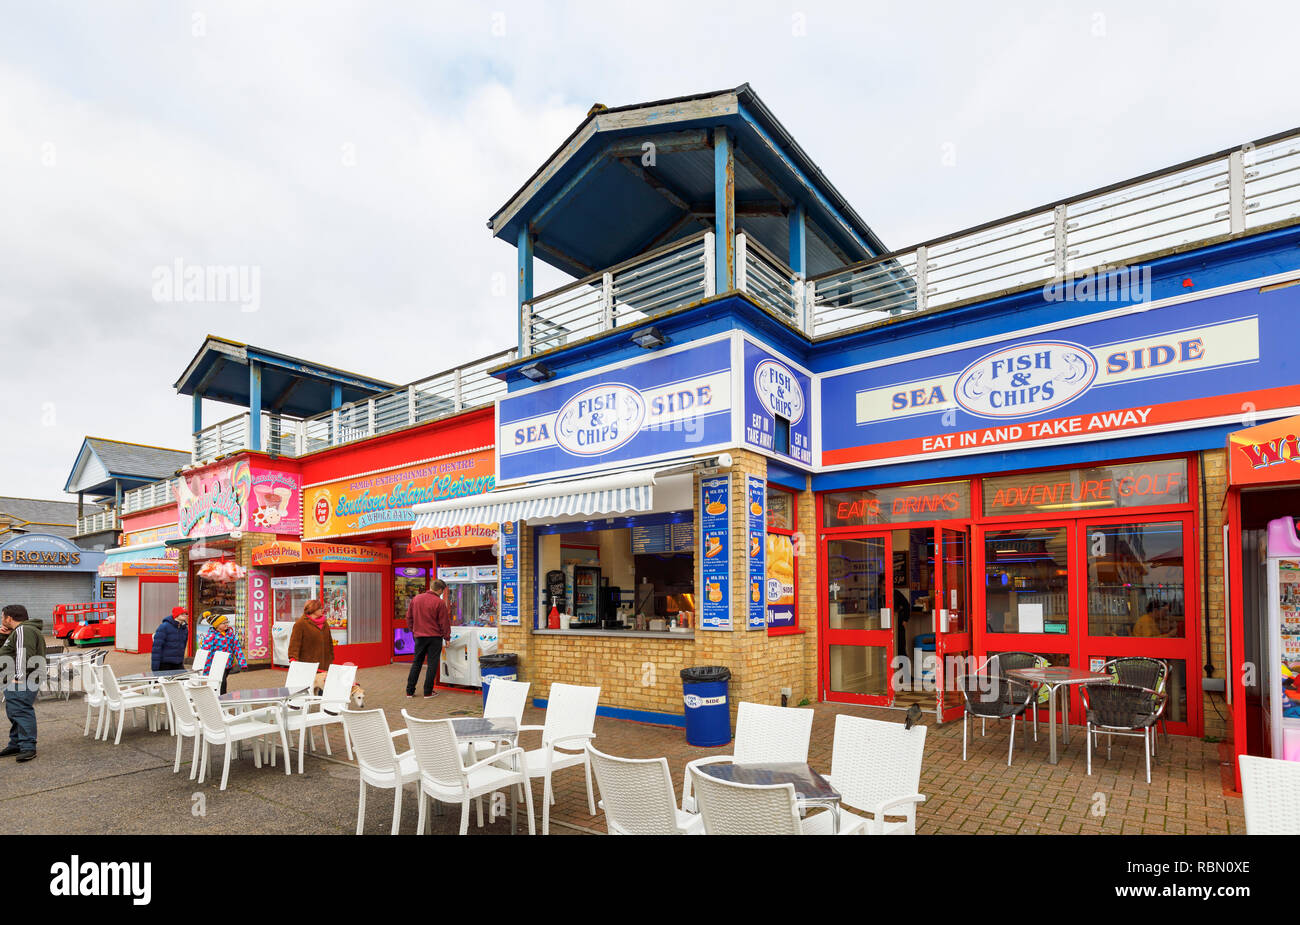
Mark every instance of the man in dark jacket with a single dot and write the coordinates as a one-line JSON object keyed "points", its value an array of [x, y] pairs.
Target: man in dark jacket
{"points": [[170, 640], [430, 623], [22, 668]]}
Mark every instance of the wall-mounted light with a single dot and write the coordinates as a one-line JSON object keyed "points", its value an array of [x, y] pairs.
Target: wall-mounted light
{"points": [[537, 372], [650, 338]]}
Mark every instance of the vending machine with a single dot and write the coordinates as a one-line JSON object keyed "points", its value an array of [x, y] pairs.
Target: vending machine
{"points": [[472, 599], [1280, 684]]}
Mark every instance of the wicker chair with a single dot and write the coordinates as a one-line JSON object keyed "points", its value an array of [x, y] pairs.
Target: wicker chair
{"points": [[991, 697], [1122, 709], [637, 796], [1270, 790], [764, 734], [876, 767], [1151, 673], [1001, 662], [745, 809]]}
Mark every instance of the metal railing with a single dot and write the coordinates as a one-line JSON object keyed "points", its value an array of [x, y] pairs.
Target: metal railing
{"points": [[771, 282], [155, 494], [629, 293], [97, 523], [1227, 193]]}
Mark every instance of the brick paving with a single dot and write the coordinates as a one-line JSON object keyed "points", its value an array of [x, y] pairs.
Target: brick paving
{"points": [[131, 788]]}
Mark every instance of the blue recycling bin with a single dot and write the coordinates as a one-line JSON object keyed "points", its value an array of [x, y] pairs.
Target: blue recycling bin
{"points": [[923, 659], [708, 712], [502, 666]]}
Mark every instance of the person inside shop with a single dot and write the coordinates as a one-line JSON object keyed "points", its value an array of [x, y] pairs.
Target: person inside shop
{"points": [[430, 622], [169, 641], [22, 662], [223, 638], [311, 640], [1155, 622]]}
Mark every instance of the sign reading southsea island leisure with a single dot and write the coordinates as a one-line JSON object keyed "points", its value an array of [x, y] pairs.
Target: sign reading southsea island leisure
{"points": [[383, 501], [1142, 370]]}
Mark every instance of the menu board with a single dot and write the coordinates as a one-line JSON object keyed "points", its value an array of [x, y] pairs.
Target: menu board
{"points": [[509, 573], [756, 530], [661, 538], [715, 553]]}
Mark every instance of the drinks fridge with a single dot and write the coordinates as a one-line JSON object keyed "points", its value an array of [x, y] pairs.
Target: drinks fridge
{"points": [[1280, 681], [472, 599], [586, 596]]}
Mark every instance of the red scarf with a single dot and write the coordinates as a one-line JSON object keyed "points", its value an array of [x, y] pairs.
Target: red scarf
{"points": [[318, 620]]}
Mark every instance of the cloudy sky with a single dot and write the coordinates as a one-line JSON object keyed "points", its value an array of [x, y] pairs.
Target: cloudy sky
{"points": [[352, 154]]}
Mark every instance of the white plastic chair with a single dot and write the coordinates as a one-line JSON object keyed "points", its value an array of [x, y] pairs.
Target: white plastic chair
{"points": [[119, 701], [216, 670], [329, 709], [301, 674], [445, 778], [764, 735], [729, 808], [200, 660], [220, 728], [638, 797], [570, 723], [94, 698], [876, 767], [185, 723], [505, 700], [1270, 790], [379, 762]]}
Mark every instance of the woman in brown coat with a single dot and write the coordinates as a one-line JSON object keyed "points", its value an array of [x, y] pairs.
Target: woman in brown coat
{"points": [[311, 640]]}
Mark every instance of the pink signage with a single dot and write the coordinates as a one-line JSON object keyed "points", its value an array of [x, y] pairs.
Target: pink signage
{"points": [[237, 496], [259, 615]]}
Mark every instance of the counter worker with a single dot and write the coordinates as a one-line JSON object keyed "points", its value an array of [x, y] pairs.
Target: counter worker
{"points": [[22, 668]]}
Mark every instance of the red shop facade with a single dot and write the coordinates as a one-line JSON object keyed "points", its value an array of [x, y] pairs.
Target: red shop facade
{"points": [[919, 582]]}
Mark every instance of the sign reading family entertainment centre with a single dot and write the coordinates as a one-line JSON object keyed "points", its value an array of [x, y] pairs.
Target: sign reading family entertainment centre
{"points": [[1149, 370], [673, 402]]}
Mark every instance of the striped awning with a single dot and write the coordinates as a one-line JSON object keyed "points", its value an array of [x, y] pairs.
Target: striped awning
{"points": [[608, 494]]}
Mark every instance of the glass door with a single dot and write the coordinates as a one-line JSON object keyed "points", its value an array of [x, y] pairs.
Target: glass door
{"points": [[859, 635], [951, 619]]}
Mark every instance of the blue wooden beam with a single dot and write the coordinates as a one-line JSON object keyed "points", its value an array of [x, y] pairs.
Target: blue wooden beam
{"points": [[336, 395], [524, 253], [799, 241], [255, 406], [198, 412], [724, 211]]}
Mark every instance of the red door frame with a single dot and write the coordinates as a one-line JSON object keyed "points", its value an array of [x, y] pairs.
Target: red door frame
{"points": [[948, 702], [1072, 643], [370, 654], [869, 638], [145, 641]]}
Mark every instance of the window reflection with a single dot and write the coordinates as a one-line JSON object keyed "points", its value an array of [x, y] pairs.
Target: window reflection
{"points": [[1135, 580], [1026, 581]]}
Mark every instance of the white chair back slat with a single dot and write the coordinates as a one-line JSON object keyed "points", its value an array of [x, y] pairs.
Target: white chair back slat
{"points": [[436, 750], [301, 674], [570, 710], [746, 809], [211, 717], [1270, 791], [338, 687], [637, 793], [217, 669], [766, 734], [186, 722], [873, 761], [371, 740], [506, 700], [200, 660]]}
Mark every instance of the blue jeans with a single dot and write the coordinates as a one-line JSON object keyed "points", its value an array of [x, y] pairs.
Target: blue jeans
{"points": [[20, 708]]}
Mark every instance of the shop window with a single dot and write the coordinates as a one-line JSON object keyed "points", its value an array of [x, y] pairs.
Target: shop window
{"points": [[1135, 580], [781, 441], [859, 670], [1026, 581], [782, 563], [354, 607], [1175, 685]]}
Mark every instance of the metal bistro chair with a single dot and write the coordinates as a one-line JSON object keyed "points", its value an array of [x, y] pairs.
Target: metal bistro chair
{"points": [[1151, 673], [1270, 790], [991, 697], [1122, 709], [1000, 662]]}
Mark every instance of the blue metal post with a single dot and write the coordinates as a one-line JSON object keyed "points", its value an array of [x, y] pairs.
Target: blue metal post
{"points": [[336, 395], [198, 412], [254, 405], [799, 242], [724, 211], [525, 257]]}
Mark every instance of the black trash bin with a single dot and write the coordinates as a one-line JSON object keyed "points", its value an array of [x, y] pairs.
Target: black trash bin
{"points": [[708, 713], [500, 665]]}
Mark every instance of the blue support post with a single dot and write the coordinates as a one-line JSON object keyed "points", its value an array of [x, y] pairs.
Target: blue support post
{"points": [[336, 395], [198, 412], [254, 406], [525, 257], [724, 211], [799, 241]]}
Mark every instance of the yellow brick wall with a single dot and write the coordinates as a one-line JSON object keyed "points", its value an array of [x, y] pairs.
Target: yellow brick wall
{"points": [[1210, 519]]}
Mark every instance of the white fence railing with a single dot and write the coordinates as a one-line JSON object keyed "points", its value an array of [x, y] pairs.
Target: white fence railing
{"points": [[629, 293], [155, 494], [1216, 196], [97, 523]]}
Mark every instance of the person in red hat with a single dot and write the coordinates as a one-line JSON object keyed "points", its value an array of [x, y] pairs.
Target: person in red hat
{"points": [[170, 641]]}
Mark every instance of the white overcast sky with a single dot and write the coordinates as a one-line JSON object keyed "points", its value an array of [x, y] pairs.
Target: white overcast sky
{"points": [[354, 152]]}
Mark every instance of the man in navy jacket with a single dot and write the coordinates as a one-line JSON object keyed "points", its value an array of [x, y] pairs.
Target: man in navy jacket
{"points": [[170, 641]]}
